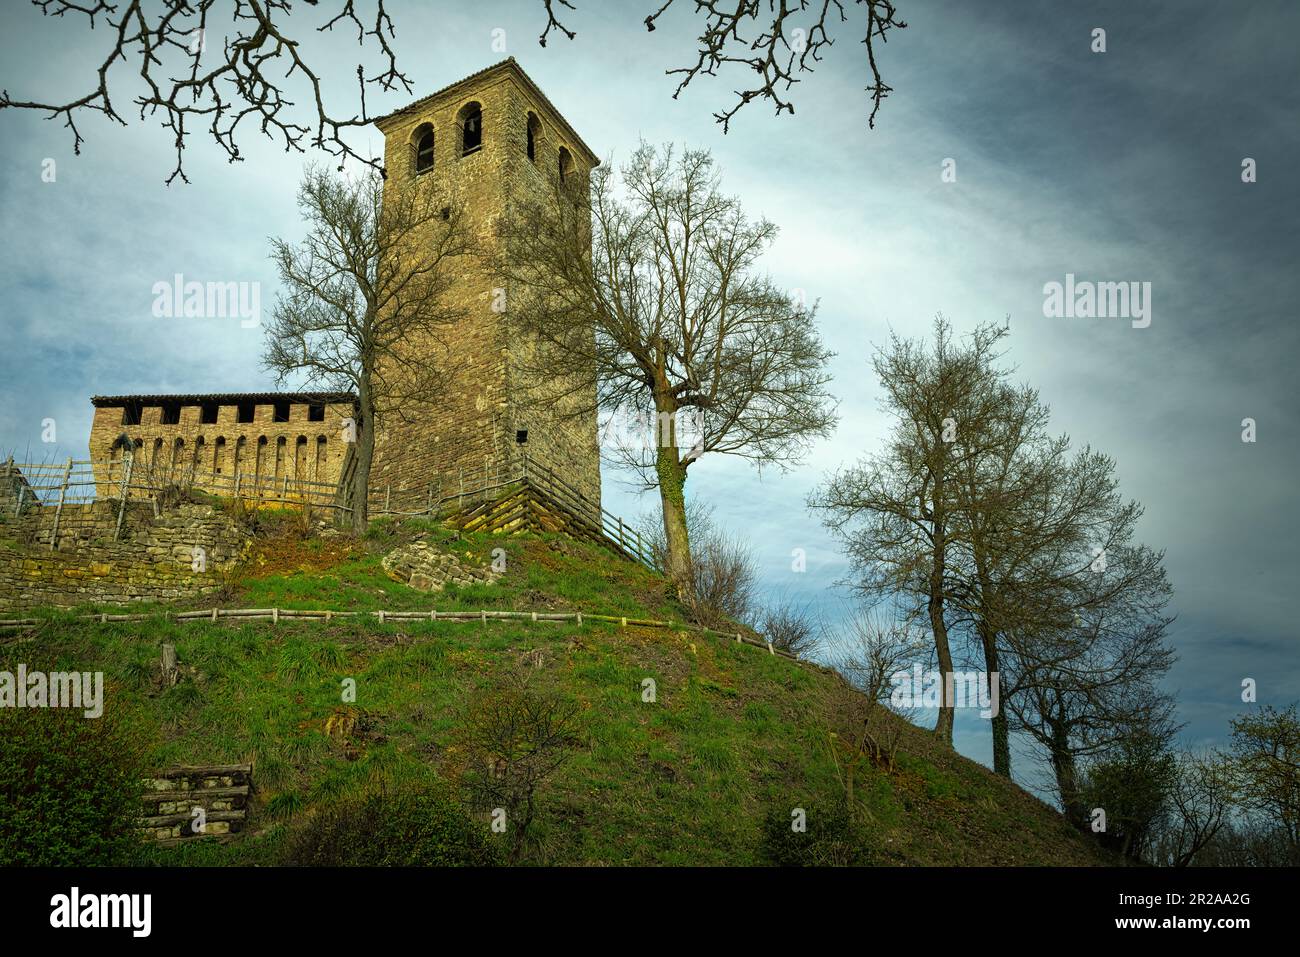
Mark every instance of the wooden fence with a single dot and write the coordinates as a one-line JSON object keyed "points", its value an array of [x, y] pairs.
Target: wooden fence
{"points": [[276, 615]]}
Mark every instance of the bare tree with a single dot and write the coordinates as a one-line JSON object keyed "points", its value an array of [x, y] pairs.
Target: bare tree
{"points": [[897, 512], [1084, 690], [789, 39], [1200, 806], [366, 304], [1034, 525], [667, 320], [872, 647], [184, 80]]}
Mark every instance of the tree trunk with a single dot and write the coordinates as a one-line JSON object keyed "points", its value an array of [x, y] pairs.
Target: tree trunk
{"points": [[672, 497], [1067, 778], [365, 457], [1001, 730], [942, 727]]}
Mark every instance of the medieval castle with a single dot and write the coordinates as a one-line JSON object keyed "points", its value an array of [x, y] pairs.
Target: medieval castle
{"points": [[490, 138]]}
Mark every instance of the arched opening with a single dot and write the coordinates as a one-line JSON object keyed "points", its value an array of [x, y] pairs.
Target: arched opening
{"points": [[259, 463], [319, 465], [177, 466], [471, 128], [534, 134], [219, 456], [566, 165], [422, 148]]}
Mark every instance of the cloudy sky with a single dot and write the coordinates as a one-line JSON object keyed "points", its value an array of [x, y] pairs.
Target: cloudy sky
{"points": [[1115, 166]]}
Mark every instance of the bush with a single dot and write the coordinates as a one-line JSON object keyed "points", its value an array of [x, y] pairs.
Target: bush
{"points": [[404, 828], [70, 789], [833, 838], [514, 738], [724, 573], [789, 625]]}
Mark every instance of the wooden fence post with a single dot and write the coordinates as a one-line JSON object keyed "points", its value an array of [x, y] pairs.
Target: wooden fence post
{"points": [[170, 669], [58, 511]]}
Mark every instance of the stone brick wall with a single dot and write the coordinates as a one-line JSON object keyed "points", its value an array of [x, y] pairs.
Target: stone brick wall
{"points": [[475, 423], [213, 453], [171, 795], [153, 560]]}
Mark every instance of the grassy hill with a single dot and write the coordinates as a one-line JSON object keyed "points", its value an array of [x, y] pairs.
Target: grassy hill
{"points": [[736, 736]]}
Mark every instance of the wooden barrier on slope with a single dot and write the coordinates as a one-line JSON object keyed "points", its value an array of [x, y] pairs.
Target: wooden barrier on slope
{"points": [[275, 615]]}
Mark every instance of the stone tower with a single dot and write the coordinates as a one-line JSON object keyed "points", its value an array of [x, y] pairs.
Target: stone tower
{"points": [[487, 140]]}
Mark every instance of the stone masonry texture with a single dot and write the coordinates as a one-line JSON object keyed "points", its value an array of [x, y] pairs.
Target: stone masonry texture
{"points": [[474, 425]]}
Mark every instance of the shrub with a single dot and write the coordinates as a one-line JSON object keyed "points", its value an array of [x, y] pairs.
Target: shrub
{"points": [[70, 789], [514, 739], [833, 838], [408, 827], [724, 573], [789, 625]]}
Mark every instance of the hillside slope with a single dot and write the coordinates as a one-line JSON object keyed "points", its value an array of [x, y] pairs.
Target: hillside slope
{"points": [[735, 736]]}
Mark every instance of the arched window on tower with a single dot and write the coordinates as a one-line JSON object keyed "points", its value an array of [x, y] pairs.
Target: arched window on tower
{"points": [[534, 134], [422, 148], [471, 129], [566, 165]]}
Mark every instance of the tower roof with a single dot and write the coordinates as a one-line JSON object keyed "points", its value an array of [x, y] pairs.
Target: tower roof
{"points": [[508, 65]]}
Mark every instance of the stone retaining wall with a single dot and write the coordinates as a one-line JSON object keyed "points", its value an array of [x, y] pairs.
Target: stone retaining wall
{"points": [[181, 553]]}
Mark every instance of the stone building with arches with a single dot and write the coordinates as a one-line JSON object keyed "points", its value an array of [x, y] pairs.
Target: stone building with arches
{"points": [[206, 440], [485, 142]]}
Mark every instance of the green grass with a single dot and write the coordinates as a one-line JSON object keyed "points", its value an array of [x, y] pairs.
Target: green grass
{"points": [[733, 733]]}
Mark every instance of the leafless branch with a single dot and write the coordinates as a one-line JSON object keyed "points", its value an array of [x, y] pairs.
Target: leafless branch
{"points": [[245, 85], [789, 39]]}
